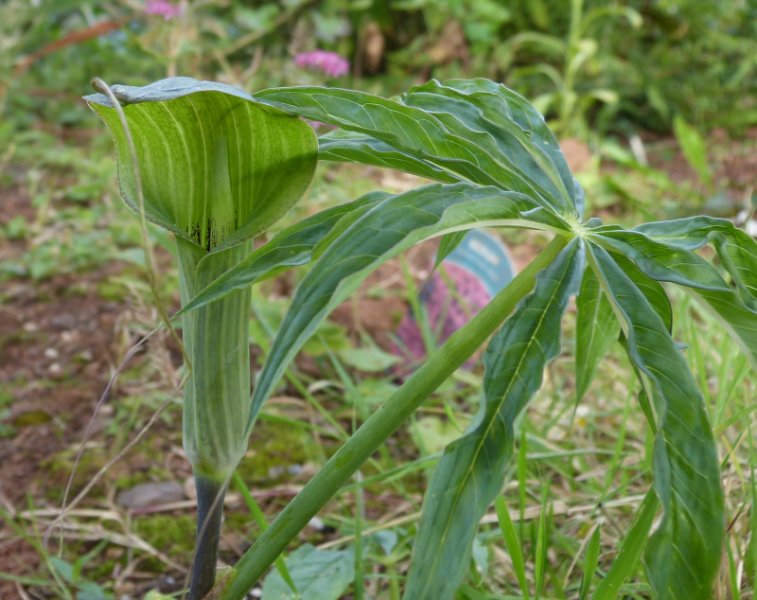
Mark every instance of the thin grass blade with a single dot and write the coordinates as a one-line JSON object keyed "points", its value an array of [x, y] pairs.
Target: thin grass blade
{"points": [[512, 543], [631, 547]]}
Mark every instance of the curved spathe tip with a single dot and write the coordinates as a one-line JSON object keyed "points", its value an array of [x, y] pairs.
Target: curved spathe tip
{"points": [[161, 91]]}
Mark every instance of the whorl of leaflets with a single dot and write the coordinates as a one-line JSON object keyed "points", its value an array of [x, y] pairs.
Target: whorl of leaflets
{"points": [[511, 173]]}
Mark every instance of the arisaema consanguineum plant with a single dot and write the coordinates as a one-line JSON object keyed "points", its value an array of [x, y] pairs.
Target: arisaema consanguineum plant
{"points": [[496, 164]]}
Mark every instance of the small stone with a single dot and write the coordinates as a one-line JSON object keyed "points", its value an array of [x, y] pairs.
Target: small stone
{"points": [[63, 322], [190, 491], [151, 494], [51, 353]]}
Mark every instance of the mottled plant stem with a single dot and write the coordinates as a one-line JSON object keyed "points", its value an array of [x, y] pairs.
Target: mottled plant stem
{"points": [[210, 496]]}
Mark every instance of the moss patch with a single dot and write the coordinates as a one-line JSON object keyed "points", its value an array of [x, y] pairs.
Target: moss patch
{"points": [[171, 534], [275, 448]]}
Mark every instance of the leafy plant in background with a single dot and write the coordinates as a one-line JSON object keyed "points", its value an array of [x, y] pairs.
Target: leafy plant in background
{"points": [[573, 96], [216, 167], [685, 50]]}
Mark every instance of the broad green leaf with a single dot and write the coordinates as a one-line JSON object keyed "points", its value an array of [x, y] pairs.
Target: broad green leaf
{"points": [[495, 129], [354, 147], [505, 125], [596, 329], [389, 227], [291, 247], [317, 574], [652, 290], [669, 262], [472, 469], [683, 554], [217, 167]]}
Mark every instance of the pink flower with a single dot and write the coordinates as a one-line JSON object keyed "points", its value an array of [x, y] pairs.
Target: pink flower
{"points": [[329, 63], [165, 8], [445, 314]]}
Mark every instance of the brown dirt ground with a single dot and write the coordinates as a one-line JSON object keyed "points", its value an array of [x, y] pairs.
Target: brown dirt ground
{"points": [[57, 342]]}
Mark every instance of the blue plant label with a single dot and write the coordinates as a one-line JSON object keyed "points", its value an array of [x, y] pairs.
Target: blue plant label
{"points": [[486, 258]]}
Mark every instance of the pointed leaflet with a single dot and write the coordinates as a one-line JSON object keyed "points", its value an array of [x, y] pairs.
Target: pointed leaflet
{"points": [[389, 227], [596, 329], [736, 249], [472, 469], [447, 246], [411, 131], [217, 166], [683, 554], [354, 147], [673, 263], [479, 146], [653, 290]]}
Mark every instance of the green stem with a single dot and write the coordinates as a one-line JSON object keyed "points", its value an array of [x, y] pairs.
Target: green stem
{"points": [[209, 517], [364, 442]]}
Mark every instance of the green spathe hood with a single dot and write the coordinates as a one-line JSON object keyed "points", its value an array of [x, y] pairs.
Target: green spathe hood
{"points": [[217, 166]]}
